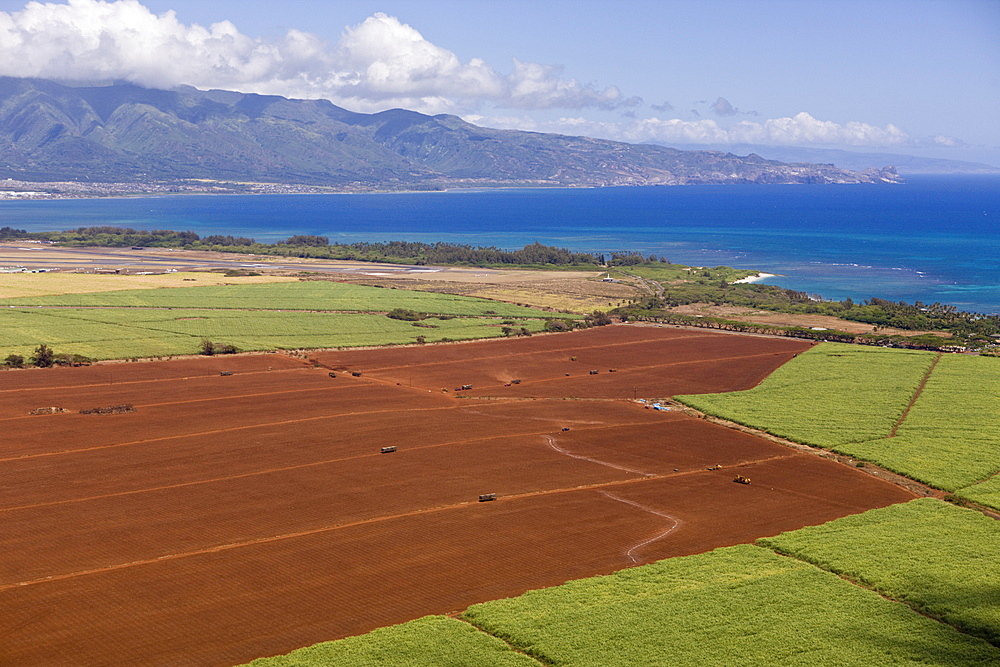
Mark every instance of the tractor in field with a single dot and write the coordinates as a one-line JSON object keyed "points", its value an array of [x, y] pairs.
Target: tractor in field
{"points": [[740, 479]]}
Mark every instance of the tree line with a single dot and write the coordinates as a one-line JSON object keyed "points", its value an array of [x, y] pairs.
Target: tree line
{"points": [[319, 247], [45, 357]]}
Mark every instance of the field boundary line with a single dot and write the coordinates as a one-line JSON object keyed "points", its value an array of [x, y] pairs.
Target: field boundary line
{"points": [[869, 468], [223, 430], [625, 371], [270, 471], [541, 661], [338, 387], [979, 481], [456, 406], [130, 382], [350, 524], [313, 531], [231, 397], [503, 356], [872, 589], [916, 395]]}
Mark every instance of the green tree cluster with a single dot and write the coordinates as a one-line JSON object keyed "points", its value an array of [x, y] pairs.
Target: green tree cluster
{"points": [[319, 247]]}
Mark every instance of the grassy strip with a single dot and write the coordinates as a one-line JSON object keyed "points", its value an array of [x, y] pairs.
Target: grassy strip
{"points": [[117, 333], [830, 395], [432, 640], [939, 558], [951, 437], [309, 295], [739, 605], [674, 273]]}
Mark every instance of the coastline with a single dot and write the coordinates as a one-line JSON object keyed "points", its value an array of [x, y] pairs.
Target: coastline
{"points": [[757, 278], [933, 245]]}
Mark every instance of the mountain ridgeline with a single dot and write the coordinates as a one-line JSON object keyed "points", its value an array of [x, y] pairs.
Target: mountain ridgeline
{"points": [[126, 133]]}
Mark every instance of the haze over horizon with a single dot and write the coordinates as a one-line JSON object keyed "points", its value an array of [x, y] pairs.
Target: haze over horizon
{"points": [[920, 77]]}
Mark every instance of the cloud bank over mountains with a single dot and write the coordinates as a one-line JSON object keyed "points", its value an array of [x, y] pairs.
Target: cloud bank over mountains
{"points": [[801, 129], [378, 64]]}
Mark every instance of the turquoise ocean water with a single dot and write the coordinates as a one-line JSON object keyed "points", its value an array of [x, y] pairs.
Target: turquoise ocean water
{"points": [[933, 239]]}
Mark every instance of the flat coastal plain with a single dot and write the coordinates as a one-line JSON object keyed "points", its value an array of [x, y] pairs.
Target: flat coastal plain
{"points": [[245, 507]]}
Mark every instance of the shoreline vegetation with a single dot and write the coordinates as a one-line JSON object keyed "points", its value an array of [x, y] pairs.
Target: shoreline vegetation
{"points": [[667, 285]]}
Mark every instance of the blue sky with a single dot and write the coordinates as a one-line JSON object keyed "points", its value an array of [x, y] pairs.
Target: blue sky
{"points": [[919, 77]]}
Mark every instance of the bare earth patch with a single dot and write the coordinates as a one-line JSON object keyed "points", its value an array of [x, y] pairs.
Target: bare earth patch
{"points": [[578, 291], [45, 284]]}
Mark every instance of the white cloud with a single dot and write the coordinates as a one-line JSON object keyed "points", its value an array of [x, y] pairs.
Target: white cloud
{"points": [[803, 129], [377, 64], [94, 39], [534, 86], [386, 59], [947, 142], [799, 130]]}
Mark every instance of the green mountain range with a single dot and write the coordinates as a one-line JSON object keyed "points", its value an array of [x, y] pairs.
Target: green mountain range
{"points": [[125, 133]]}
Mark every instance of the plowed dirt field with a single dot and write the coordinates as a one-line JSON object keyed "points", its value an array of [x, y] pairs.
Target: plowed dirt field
{"points": [[236, 516]]}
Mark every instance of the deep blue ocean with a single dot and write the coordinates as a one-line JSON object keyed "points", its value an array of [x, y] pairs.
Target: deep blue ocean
{"points": [[932, 239]]}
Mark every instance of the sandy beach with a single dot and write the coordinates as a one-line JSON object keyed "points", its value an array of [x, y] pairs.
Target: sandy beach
{"points": [[756, 278]]}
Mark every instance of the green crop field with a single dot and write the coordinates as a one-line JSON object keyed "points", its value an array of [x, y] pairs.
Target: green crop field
{"points": [[116, 333], [848, 398], [951, 437], [830, 395], [740, 605], [939, 558], [432, 641], [165, 322], [308, 295]]}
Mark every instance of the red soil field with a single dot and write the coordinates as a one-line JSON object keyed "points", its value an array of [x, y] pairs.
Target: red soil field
{"points": [[232, 517], [64, 376], [647, 361]]}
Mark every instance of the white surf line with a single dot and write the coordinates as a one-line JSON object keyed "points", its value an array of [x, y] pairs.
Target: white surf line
{"points": [[552, 443], [631, 552]]}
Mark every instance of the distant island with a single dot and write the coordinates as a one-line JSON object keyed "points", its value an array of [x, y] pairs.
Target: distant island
{"points": [[60, 140]]}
